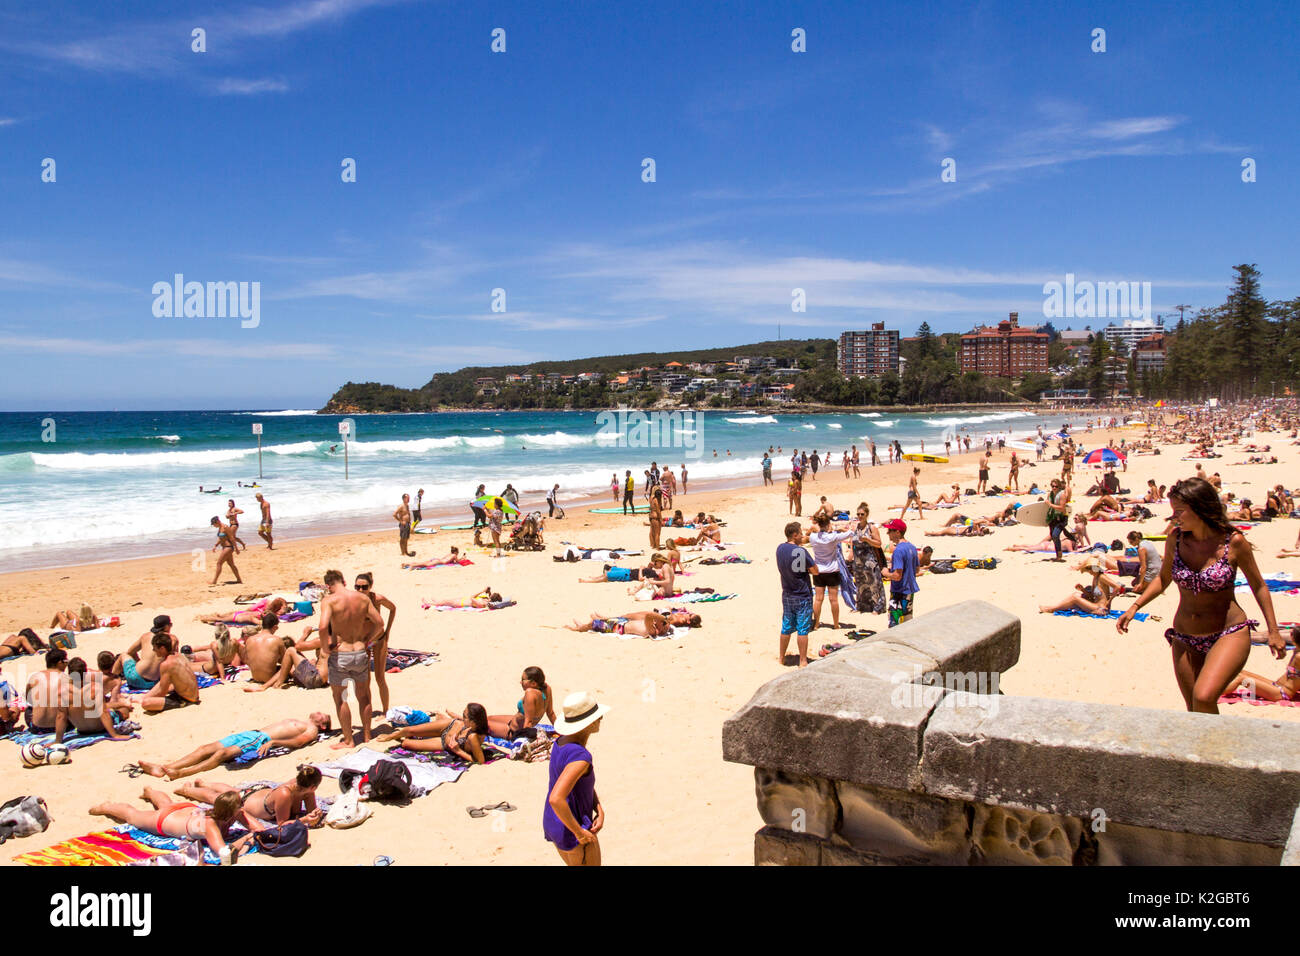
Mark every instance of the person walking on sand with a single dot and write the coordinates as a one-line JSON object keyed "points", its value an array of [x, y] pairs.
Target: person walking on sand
{"points": [[350, 625], [1013, 477], [573, 816], [913, 496], [629, 492], [683, 479], [403, 518], [1058, 515], [903, 564], [232, 518], [225, 544], [613, 486], [264, 528], [875, 459]]}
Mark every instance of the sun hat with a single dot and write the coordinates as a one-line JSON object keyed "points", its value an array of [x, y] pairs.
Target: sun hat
{"points": [[580, 710]]}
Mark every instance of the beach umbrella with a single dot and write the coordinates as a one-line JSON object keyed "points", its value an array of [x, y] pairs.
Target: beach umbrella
{"points": [[496, 501], [1102, 455]]}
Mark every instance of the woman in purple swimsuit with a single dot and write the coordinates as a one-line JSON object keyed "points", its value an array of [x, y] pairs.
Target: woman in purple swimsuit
{"points": [[573, 816], [1211, 634]]}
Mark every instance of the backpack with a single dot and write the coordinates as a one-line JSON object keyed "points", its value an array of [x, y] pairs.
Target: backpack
{"points": [[23, 816], [288, 839], [387, 780], [942, 566]]}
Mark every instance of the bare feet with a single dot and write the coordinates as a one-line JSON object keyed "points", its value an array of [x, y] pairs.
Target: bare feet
{"points": [[98, 810], [343, 745], [152, 769]]}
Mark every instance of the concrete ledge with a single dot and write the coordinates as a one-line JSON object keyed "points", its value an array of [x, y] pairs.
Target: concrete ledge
{"points": [[970, 636], [1219, 776]]}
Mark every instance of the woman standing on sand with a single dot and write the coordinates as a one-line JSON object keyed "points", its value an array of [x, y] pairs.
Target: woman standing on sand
{"points": [[226, 545], [867, 556], [232, 515], [573, 816], [1210, 638], [613, 486]]}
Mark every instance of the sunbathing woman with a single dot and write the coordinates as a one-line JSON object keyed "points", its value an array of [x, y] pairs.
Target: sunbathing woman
{"points": [[250, 615], [484, 598], [16, 645], [975, 529], [1210, 639], [295, 800], [951, 498], [1258, 687], [462, 736], [612, 573], [451, 557], [221, 655], [537, 702], [1045, 545], [1090, 600], [78, 621], [185, 821]]}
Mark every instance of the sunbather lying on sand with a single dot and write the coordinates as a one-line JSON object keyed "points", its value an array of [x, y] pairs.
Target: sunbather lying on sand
{"points": [[283, 733], [1286, 687], [16, 645], [82, 620], [447, 733], [1087, 599], [484, 598], [639, 623], [185, 821], [451, 557], [295, 800], [249, 615]]}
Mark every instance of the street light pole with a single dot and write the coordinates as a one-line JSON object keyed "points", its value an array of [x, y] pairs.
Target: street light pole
{"points": [[257, 430], [345, 429]]}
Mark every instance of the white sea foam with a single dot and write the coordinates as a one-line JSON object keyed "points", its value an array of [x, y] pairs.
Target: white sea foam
{"points": [[753, 420], [287, 411]]}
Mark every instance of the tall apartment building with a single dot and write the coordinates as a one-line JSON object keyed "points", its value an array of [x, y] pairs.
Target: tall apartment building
{"points": [[1126, 337], [1007, 351], [873, 352]]}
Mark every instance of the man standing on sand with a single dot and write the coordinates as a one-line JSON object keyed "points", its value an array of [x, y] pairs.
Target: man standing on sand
{"points": [[903, 564], [349, 624], [264, 529], [767, 471], [982, 485], [669, 485], [629, 489], [403, 518], [283, 733], [419, 502], [683, 479], [855, 462], [875, 459], [795, 564]]}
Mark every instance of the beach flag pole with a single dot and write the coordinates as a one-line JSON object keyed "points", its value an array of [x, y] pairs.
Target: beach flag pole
{"points": [[257, 430], [345, 429]]}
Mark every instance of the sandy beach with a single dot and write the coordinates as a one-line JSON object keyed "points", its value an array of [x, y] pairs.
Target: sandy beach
{"points": [[669, 797]]}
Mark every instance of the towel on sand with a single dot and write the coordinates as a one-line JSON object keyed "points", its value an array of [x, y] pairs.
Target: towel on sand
{"points": [[1114, 614], [71, 739], [425, 775]]}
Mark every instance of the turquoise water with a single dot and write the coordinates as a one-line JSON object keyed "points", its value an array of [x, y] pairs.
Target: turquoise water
{"points": [[95, 485]]}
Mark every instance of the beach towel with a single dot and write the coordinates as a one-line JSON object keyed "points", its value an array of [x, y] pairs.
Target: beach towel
{"points": [[696, 597], [426, 775], [103, 848], [848, 588], [71, 739], [446, 564], [160, 844], [1113, 615], [1236, 698], [399, 659]]}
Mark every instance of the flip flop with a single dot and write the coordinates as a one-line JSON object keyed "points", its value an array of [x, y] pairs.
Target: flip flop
{"points": [[476, 812], [383, 861], [132, 770], [860, 635], [508, 808]]}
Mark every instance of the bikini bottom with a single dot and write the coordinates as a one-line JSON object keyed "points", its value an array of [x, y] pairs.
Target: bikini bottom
{"points": [[1203, 642]]}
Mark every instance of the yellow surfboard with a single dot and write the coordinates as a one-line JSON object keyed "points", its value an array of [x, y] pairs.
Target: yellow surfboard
{"points": [[933, 459]]}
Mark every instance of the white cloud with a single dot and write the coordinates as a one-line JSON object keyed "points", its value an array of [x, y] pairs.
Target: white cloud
{"points": [[231, 86]]}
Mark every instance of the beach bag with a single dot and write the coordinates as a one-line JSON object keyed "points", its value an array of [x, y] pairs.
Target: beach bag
{"points": [[288, 839], [347, 811], [970, 491], [23, 816], [388, 780], [942, 566]]}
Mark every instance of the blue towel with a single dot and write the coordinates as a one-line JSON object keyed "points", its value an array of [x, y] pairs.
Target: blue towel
{"points": [[170, 843], [1113, 615], [848, 590], [71, 739]]}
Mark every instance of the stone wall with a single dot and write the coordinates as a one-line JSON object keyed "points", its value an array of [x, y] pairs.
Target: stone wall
{"points": [[901, 750]]}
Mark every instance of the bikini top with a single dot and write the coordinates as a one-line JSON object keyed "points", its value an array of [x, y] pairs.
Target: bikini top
{"points": [[1217, 576]]}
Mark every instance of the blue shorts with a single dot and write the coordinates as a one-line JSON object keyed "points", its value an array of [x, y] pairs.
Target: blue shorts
{"points": [[133, 678], [248, 741], [619, 574], [797, 615]]}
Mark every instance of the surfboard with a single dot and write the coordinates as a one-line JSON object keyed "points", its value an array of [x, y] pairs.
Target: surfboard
{"points": [[934, 459], [617, 511], [424, 529], [1035, 514], [457, 527]]}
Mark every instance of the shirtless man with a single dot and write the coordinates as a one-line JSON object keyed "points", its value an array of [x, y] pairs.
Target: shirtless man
{"points": [[264, 529], [349, 625], [642, 624], [47, 695], [295, 800], [177, 686], [403, 518], [138, 665], [304, 671], [981, 484], [263, 651], [87, 709], [283, 733]]}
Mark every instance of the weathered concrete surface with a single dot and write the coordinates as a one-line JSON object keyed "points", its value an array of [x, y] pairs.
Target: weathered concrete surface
{"points": [[797, 802], [1220, 776], [1291, 855], [970, 636], [902, 825], [1144, 846], [833, 726]]}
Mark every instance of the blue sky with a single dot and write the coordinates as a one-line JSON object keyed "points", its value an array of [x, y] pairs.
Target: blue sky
{"points": [[521, 170]]}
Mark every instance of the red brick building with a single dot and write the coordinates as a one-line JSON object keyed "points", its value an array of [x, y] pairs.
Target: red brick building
{"points": [[1007, 351]]}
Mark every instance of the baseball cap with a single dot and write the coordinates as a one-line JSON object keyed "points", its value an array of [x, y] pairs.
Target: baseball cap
{"points": [[896, 524], [161, 621]]}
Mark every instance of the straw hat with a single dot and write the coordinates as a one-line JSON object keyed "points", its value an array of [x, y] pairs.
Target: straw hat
{"points": [[580, 710]]}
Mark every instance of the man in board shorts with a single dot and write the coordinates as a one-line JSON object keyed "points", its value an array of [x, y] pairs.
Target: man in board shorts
{"points": [[349, 625], [264, 529]]}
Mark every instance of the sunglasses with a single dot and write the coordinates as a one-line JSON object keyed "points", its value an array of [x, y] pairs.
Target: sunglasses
{"points": [[362, 587]]}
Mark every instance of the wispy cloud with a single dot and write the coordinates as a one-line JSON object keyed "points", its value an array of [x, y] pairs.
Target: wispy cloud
{"points": [[247, 347], [7, 121], [231, 86]]}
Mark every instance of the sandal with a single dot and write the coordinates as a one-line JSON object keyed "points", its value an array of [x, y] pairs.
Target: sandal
{"points": [[860, 634], [476, 812], [132, 770], [507, 807]]}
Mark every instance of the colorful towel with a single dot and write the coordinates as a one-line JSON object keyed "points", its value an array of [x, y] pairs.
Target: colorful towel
{"points": [[399, 659], [1236, 697], [429, 567], [1113, 615], [71, 739], [171, 844], [695, 597], [105, 848]]}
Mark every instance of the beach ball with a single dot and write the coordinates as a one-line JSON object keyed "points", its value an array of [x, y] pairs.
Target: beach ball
{"points": [[32, 754], [56, 754]]}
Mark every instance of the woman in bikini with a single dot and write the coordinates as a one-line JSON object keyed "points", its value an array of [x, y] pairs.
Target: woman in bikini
{"points": [[225, 545], [221, 655], [16, 645], [485, 598], [249, 615], [1258, 687], [1210, 639], [295, 800], [537, 702], [232, 516], [365, 583], [185, 821], [462, 736]]}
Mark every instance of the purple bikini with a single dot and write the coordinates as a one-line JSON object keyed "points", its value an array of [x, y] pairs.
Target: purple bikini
{"points": [[1218, 576]]}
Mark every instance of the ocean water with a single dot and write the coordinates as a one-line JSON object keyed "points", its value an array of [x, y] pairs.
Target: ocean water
{"points": [[81, 487]]}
